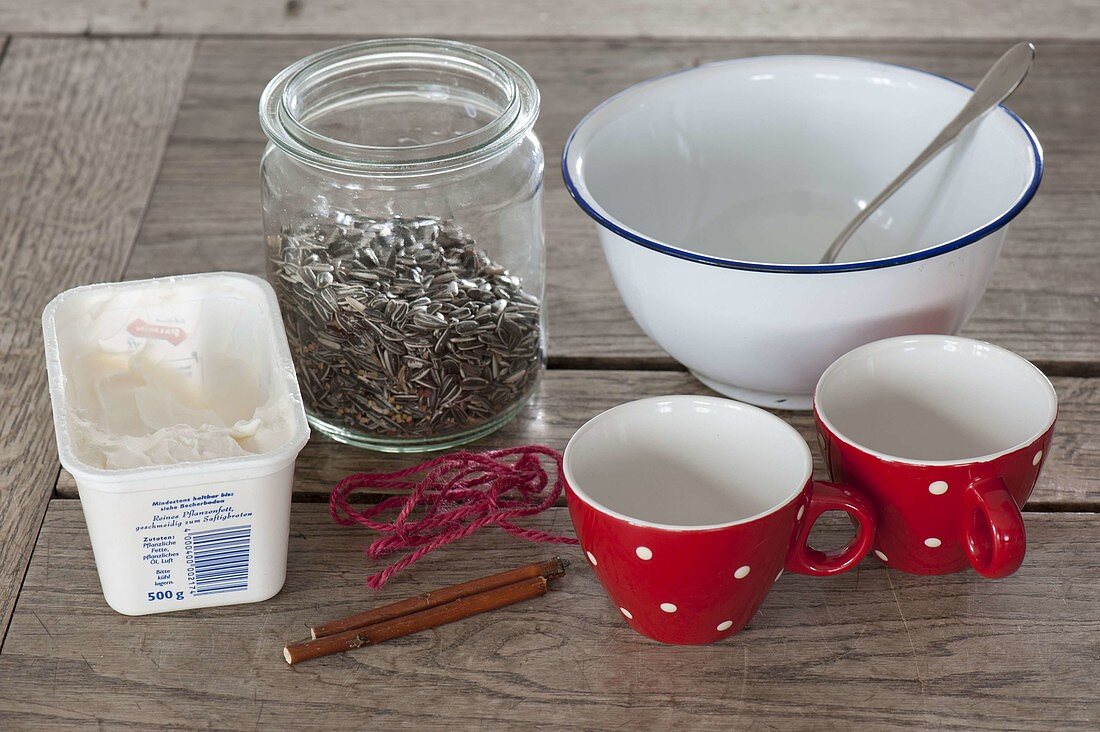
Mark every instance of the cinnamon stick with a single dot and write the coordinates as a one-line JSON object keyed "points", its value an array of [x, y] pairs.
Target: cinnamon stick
{"points": [[549, 569], [463, 607]]}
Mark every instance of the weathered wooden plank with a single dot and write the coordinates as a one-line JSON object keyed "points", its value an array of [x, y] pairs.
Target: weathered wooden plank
{"points": [[873, 648], [575, 75], [1042, 301], [84, 123], [697, 18], [567, 398]]}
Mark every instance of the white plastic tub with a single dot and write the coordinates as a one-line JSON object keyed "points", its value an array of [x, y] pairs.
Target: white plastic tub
{"points": [[177, 411]]}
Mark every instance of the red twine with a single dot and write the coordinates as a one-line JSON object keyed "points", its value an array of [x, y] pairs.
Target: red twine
{"points": [[459, 494]]}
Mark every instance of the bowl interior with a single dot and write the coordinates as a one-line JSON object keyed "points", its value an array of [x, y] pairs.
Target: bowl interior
{"points": [[765, 159]]}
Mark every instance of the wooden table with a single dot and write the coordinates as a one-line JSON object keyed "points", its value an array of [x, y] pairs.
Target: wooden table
{"points": [[129, 148]]}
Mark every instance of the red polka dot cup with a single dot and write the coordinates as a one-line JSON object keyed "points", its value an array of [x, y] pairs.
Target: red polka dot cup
{"points": [[689, 508], [947, 436]]}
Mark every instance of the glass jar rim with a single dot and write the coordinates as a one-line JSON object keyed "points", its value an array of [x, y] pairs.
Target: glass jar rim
{"points": [[281, 118]]}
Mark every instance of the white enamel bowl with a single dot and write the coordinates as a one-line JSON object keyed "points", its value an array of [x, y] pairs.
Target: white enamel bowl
{"points": [[717, 189]]}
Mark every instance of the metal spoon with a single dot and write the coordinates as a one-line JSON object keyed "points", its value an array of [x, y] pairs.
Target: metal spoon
{"points": [[998, 84]]}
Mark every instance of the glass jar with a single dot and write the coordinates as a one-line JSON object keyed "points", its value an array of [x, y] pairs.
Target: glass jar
{"points": [[402, 191]]}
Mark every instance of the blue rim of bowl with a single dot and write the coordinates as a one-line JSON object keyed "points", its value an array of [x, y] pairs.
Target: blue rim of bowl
{"points": [[920, 254]]}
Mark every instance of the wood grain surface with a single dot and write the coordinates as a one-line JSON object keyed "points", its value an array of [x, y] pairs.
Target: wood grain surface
{"points": [[873, 647], [567, 398], [1043, 301], [105, 142], [84, 125], [561, 18]]}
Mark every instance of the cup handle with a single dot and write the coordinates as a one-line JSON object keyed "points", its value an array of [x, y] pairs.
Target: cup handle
{"points": [[804, 559], [994, 533]]}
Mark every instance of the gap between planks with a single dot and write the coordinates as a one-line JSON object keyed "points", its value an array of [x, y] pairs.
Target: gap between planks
{"points": [[1078, 369], [480, 38], [962, 19], [369, 499]]}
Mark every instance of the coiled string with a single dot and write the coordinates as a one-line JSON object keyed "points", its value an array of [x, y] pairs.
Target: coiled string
{"points": [[460, 493]]}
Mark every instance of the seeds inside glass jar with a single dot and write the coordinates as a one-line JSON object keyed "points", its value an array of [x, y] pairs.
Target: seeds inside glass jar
{"points": [[402, 326]]}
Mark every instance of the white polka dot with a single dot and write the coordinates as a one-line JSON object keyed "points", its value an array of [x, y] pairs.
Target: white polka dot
{"points": [[626, 612], [937, 488], [742, 572], [725, 625], [644, 552], [668, 607], [592, 558], [1038, 456], [801, 510], [881, 556], [932, 542]]}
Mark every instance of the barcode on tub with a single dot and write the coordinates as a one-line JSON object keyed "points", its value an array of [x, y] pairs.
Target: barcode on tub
{"points": [[217, 560]]}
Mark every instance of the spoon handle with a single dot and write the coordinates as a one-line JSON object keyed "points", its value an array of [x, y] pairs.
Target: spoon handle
{"points": [[995, 87]]}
